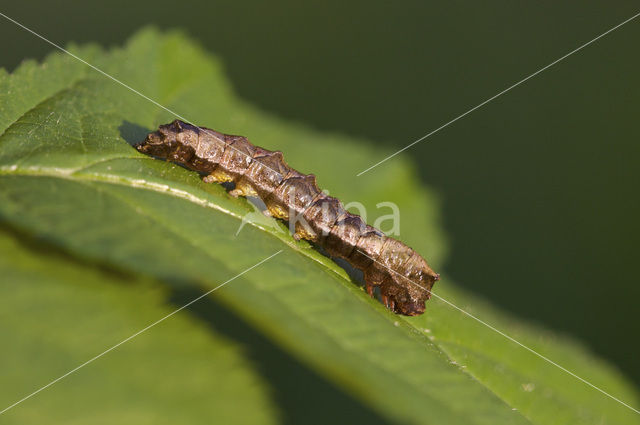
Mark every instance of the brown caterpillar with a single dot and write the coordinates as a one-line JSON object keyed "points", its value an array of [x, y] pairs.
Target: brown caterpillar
{"points": [[403, 276]]}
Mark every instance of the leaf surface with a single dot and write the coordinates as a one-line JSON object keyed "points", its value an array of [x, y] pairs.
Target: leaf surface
{"points": [[69, 175]]}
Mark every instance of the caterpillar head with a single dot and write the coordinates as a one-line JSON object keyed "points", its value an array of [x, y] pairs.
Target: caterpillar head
{"points": [[163, 142], [155, 145]]}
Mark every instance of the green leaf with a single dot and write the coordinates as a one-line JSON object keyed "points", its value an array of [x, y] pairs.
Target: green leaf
{"points": [[69, 176], [58, 313]]}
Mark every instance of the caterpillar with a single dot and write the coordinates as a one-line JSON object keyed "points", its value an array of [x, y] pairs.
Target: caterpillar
{"points": [[403, 277]]}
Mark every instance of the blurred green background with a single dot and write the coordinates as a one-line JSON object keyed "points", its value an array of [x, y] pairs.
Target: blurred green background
{"points": [[539, 187]]}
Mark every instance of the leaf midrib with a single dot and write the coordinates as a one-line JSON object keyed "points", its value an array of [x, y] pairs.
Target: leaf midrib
{"points": [[72, 174]]}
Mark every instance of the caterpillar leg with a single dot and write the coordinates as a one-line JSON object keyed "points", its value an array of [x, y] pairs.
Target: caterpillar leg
{"points": [[278, 212], [389, 302], [217, 176], [304, 232], [372, 278], [243, 189], [369, 289], [385, 300]]}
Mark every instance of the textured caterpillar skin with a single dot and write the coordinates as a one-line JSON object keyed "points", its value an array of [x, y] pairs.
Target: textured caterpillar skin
{"points": [[403, 276]]}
